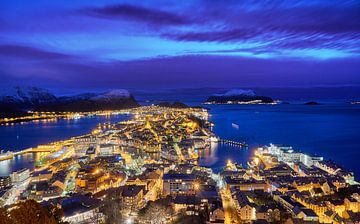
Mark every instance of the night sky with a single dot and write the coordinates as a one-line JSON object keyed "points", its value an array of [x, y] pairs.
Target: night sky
{"points": [[167, 44]]}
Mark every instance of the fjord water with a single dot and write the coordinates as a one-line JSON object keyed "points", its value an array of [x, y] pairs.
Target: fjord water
{"points": [[330, 130], [20, 136]]}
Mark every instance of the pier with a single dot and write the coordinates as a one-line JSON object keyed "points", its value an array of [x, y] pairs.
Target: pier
{"points": [[10, 155], [233, 143]]}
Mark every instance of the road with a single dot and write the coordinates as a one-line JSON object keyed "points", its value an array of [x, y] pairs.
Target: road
{"points": [[231, 215]]}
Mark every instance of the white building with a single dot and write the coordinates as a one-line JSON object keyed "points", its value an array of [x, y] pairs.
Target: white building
{"points": [[106, 149], [288, 155], [20, 175], [310, 160]]}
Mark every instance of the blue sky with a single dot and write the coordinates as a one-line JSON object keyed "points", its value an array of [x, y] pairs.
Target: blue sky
{"points": [[108, 44]]}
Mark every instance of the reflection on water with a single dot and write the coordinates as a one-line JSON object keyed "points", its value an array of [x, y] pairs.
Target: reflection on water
{"points": [[20, 136], [19, 161], [218, 154], [330, 130]]}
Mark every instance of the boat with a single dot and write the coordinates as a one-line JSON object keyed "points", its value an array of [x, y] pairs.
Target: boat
{"points": [[6, 155], [234, 125]]}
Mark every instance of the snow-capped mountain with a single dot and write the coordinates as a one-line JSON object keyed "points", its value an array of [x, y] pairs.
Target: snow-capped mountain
{"points": [[113, 94], [34, 98], [26, 95], [238, 96]]}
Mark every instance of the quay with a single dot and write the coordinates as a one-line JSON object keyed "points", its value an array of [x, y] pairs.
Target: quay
{"points": [[50, 148], [10, 155]]}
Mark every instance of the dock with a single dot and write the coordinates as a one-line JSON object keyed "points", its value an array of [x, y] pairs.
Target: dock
{"points": [[233, 143]]}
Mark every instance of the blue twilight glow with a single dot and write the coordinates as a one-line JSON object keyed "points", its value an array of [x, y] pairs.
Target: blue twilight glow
{"points": [[51, 41]]}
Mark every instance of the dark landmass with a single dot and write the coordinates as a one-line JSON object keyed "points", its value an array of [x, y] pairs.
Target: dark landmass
{"points": [[238, 96], [312, 103], [88, 105], [172, 105], [6, 111], [238, 99], [19, 100]]}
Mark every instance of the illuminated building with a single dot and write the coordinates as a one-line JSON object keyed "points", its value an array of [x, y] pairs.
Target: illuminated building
{"points": [[105, 149], [20, 175], [133, 196], [5, 182], [174, 184]]}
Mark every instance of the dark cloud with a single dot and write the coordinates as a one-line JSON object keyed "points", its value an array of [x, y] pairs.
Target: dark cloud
{"points": [[30, 52], [138, 13], [216, 36], [201, 71], [261, 42]]}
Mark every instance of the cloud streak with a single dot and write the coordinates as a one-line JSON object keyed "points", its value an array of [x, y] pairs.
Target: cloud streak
{"points": [[30, 53], [155, 42], [138, 14]]}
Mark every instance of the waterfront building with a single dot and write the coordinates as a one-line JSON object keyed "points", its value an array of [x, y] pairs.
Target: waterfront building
{"points": [[288, 155], [20, 175], [310, 161], [105, 149], [334, 169]]}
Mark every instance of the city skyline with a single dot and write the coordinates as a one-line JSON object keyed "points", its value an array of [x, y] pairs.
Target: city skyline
{"points": [[160, 44]]}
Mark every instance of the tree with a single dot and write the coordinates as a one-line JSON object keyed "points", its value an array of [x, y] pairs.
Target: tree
{"points": [[112, 208], [156, 212], [57, 212], [189, 219], [4, 216], [31, 212]]}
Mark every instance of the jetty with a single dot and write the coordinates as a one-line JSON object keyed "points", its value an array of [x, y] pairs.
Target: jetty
{"points": [[233, 143]]}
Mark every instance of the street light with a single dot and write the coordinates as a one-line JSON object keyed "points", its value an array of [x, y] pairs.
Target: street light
{"points": [[196, 186], [129, 220]]}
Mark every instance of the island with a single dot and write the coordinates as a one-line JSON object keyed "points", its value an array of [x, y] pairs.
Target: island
{"points": [[172, 105], [311, 103], [239, 96]]}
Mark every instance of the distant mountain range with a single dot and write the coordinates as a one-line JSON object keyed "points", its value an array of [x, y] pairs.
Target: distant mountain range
{"points": [[16, 101], [238, 96]]}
